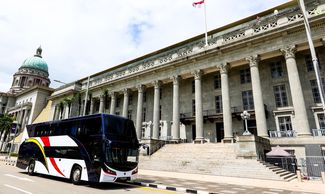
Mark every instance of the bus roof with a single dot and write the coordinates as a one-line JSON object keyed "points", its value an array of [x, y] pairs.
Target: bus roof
{"points": [[77, 119]]}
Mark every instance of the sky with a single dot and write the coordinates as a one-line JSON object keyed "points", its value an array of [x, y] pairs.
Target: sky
{"points": [[83, 37]]}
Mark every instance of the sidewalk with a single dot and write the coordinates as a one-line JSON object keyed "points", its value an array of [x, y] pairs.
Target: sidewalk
{"points": [[198, 183]]}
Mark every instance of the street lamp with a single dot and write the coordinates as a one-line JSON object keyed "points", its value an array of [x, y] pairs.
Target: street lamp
{"points": [[245, 115], [301, 3], [59, 81]]}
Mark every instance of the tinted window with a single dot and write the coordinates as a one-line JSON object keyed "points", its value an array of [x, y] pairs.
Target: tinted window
{"points": [[119, 127], [62, 152]]}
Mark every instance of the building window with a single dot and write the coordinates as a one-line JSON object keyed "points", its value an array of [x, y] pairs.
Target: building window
{"points": [[217, 81], [285, 123], [130, 114], [193, 87], [245, 76], [144, 96], [277, 69], [117, 113], [248, 102], [218, 101], [193, 107], [118, 102], [315, 91], [130, 99], [144, 112], [280, 95], [159, 112], [143, 132], [321, 120], [160, 93], [309, 63]]}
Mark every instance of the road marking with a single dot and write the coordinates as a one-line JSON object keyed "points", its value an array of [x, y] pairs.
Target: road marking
{"points": [[18, 189], [156, 190], [20, 178]]}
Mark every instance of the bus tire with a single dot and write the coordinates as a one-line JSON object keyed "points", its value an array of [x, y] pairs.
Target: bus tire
{"points": [[76, 175], [31, 168]]}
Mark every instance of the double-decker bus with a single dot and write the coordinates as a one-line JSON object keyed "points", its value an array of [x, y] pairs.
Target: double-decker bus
{"points": [[95, 148]]}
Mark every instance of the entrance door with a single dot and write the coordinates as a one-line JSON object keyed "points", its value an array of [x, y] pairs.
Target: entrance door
{"points": [[193, 132], [219, 132]]}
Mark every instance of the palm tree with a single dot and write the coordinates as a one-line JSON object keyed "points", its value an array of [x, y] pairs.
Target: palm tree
{"points": [[5, 125]]}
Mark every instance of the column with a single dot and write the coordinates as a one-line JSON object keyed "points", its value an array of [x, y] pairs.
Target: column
{"points": [[257, 96], [226, 108], [113, 102], [125, 103], [198, 106], [156, 123], [176, 121], [101, 103], [92, 103], [300, 118], [139, 111]]}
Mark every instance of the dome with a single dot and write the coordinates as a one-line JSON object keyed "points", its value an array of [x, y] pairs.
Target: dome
{"points": [[36, 62]]}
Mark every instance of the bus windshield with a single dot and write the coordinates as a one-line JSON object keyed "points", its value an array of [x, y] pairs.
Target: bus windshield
{"points": [[122, 148], [122, 158], [120, 129]]}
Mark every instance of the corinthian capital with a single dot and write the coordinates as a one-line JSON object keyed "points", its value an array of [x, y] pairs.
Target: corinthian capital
{"points": [[253, 60], [112, 94], [140, 88], [126, 91], [224, 68], [157, 83], [175, 79], [289, 51], [197, 74]]}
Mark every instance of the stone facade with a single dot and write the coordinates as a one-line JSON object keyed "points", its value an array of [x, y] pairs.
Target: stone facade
{"points": [[26, 98], [195, 93]]}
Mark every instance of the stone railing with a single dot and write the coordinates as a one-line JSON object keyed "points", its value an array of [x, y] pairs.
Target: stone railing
{"points": [[225, 37], [318, 132], [19, 106], [280, 134]]}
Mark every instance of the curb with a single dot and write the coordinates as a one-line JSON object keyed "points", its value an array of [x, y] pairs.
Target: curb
{"points": [[164, 187], [9, 162]]}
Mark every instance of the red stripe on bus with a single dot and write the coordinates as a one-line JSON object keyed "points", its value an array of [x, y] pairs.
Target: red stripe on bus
{"points": [[46, 141], [56, 166]]}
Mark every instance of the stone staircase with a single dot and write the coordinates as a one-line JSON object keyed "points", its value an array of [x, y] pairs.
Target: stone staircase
{"points": [[213, 159]]}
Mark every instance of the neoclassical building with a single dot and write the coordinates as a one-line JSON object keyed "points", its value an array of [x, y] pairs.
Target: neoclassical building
{"points": [[27, 96], [191, 92]]}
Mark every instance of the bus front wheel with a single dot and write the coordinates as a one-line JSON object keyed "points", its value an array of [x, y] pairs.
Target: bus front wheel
{"points": [[76, 175], [31, 167]]}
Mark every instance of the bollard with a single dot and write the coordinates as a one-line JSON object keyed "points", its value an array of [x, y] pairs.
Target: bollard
{"points": [[323, 177], [298, 175]]}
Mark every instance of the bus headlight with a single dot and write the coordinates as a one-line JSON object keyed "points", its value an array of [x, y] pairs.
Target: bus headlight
{"points": [[109, 171], [135, 171]]}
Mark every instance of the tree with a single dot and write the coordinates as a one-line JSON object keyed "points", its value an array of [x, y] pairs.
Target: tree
{"points": [[5, 126]]}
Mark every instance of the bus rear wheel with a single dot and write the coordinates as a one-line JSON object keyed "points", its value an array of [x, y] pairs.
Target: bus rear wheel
{"points": [[31, 167], [76, 175]]}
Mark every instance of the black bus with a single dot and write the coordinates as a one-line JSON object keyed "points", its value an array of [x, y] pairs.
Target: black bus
{"points": [[95, 148]]}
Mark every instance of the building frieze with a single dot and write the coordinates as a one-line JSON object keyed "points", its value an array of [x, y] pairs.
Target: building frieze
{"points": [[224, 38]]}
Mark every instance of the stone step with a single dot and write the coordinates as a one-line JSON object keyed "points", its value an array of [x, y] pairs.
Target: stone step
{"points": [[214, 159]]}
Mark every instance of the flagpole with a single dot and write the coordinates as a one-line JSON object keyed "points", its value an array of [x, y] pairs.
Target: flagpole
{"points": [[205, 20], [313, 53]]}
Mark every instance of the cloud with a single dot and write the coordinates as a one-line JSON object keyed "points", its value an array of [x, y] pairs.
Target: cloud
{"points": [[82, 37]]}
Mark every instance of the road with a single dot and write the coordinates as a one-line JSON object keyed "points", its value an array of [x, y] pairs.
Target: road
{"points": [[14, 181]]}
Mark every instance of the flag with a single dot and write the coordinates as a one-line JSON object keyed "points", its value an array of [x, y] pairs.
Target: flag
{"points": [[198, 4]]}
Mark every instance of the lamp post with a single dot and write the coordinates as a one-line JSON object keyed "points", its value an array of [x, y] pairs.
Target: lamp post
{"points": [[313, 52], [61, 82], [245, 115]]}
